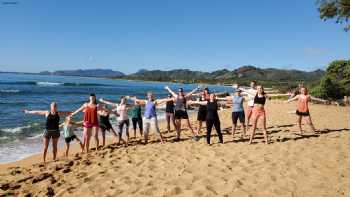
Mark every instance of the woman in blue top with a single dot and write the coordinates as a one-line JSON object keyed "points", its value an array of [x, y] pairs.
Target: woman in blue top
{"points": [[150, 115], [237, 111]]}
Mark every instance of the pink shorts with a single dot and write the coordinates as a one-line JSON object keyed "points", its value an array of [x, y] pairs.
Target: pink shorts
{"points": [[89, 125], [257, 112]]}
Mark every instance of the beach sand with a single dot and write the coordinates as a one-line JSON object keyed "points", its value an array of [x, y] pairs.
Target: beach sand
{"points": [[313, 165]]}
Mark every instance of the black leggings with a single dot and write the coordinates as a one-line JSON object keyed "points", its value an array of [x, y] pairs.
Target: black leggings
{"points": [[216, 124], [137, 121]]}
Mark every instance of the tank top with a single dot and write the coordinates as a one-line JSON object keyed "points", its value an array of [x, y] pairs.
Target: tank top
{"points": [[169, 107], [90, 115], [150, 110], [212, 111], [123, 113], [136, 112], [259, 100], [237, 104], [251, 97], [104, 120], [67, 131], [202, 108], [180, 104], [52, 122], [303, 103]]}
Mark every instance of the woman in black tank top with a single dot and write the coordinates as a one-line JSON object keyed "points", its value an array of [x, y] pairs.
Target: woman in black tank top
{"points": [[180, 111], [212, 117], [51, 128], [169, 113]]}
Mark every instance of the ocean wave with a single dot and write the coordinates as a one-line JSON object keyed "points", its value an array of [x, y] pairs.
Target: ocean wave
{"points": [[47, 83], [9, 91], [18, 129]]}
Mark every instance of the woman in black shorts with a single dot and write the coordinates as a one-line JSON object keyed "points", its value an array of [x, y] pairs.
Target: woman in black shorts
{"points": [[181, 110], [212, 118], [105, 124], [202, 110], [169, 113], [51, 129]]}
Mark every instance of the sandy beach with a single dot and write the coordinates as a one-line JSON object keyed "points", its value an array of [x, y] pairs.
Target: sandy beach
{"points": [[293, 166]]}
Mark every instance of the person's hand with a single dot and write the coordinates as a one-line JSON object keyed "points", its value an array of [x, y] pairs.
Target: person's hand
{"points": [[166, 87], [235, 86], [101, 100], [25, 111]]}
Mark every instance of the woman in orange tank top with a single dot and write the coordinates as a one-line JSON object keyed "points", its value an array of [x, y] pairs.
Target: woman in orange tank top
{"points": [[303, 108], [90, 120]]}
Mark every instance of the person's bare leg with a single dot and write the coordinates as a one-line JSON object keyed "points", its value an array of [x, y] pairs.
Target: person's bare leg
{"points": [[178, 128], [114, 134], [299, 125], [46, 146], [244, 131], [233, 130], [189, 126], [103, 132], [88, 136], [309, 122], [81, 144], [255, 121], [199, 129], [67, 149], [265, 130], [97, 141], [54, 147], [168, 122], [249, 115]]}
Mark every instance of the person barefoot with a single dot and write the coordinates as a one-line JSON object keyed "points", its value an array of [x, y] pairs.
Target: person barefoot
{"points": [[169, 113], [150, 115], [105, 124], [136, 118], [52, 130], [237, 110], [180, 100], [259, 112], [303, 108], [202, 110], [212, 117], [123, 118], [69, 134], [90, 123]]}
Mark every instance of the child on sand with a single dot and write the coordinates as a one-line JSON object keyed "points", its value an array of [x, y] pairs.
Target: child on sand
{"points": [[69, 135]]}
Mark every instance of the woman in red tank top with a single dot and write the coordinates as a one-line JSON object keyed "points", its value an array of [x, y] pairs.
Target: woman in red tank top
{"points": [[90, 120], [303, 108]]}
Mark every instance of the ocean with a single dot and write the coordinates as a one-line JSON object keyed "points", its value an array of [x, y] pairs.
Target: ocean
{"points": [[21, 135]]}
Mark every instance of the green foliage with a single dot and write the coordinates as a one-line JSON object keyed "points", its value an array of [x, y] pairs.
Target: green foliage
{"points": [[336, 82], [335, 9]]}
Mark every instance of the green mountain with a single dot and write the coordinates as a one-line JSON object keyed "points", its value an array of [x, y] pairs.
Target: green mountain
{"points": [[242, 75]]}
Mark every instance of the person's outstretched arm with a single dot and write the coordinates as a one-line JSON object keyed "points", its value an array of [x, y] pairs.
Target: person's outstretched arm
{"points": [[318, 99], [42, 113], [171, 92], [192, 92], [108, 102], [162, 101], [78, 110], [197, 102], [292, 99], [139, 101]]}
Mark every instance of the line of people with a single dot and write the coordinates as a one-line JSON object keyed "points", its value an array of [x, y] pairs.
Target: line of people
{"points": [[97, 116]]}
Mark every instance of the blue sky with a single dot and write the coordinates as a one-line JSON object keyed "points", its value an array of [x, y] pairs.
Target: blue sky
{"points": [[37, 35]]}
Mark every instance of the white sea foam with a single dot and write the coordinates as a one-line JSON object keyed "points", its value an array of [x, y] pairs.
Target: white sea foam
{"points": [[46, 83], [9, 91]]}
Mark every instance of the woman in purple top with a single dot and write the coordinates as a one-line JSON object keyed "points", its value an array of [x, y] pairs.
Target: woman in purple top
{"points": [[150, 116]]}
